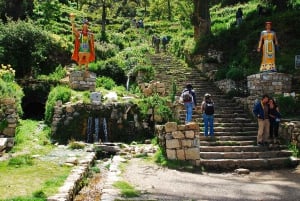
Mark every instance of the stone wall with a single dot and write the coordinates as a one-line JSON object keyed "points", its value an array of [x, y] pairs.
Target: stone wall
{"points": [[82, 80], [8, 120], [269, 83], [226, 85], [290, 132], [149, 89], [181, 142], [91, 122]]}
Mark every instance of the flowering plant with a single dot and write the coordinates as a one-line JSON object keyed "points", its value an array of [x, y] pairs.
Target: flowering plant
{"points": [[7, 73]]}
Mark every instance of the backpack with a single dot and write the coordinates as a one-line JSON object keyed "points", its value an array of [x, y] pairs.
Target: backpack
{"points": [[186, 96], [209, 108]]}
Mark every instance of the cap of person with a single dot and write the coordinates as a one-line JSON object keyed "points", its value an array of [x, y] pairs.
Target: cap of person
{"points": [[207, 95]]}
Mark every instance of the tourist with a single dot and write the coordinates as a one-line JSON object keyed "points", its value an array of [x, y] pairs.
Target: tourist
{"points": [[207, 108], [188, 97], [239, 16], [261, 112]]}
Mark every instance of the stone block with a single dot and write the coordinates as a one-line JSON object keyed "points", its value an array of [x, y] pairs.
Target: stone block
{"points": [[180, 154], [170, 127], [178, 134], [192, 154], [187, 143], [95, 97], [171, 154], [189, 134], [192, 126], [173, 143]]}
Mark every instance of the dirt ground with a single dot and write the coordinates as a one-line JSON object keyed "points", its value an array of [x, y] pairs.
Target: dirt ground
{"points": [[158, 183]]}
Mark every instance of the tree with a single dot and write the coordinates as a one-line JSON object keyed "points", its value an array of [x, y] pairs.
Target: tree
{"points": [[201, 18]]}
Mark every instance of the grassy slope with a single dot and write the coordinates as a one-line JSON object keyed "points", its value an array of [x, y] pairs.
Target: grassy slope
{"points": [[22, 175]]}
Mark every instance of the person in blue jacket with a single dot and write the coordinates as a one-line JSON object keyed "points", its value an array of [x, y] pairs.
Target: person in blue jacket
{"points": [[261, 112]]}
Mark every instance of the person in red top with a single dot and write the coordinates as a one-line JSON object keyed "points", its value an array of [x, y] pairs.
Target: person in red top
{"points": [[84, 49]]}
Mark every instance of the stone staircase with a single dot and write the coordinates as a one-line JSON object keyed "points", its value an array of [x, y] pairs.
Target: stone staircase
{"points": [[234, 144]]}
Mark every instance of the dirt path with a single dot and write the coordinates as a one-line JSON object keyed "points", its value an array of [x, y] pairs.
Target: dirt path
{"points": [[157, 183]]}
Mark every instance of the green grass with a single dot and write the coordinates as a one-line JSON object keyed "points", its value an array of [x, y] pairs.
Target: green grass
{"points": [[126, 189], [24, 176]]}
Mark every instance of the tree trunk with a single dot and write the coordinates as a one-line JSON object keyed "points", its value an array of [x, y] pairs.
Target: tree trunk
{"points": [[201, 18], [103, 22], [169, 11]]}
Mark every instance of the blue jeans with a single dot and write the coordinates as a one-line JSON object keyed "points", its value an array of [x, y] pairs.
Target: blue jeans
{"points": [[208, 121], [189, 111]]}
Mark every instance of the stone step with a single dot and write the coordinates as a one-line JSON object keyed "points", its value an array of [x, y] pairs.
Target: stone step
{"points": [[224, 133], [219, 138], [252, 164], [244, 155], [249, 148], [227, 143]]}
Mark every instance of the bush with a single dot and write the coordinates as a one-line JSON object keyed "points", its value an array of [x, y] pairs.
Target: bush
{"points": [[235, 74], [288, 105], [105, 82], [58, 93], [31, 50], [110, 68]]}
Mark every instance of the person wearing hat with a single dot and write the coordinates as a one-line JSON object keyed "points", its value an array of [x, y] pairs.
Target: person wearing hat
{"points": [[84, 50], [268, 43], [188, 97], [207, 108]]}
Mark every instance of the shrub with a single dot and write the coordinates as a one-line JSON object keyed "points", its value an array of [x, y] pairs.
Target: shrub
{"points": [[31, 50], [105, 82], [58, 93], [235, 74], [288, 105], [9, 88], [110, 68]]}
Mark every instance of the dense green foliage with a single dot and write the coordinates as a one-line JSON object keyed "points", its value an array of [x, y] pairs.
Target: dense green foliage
{"points": [[59, 93], [31, 50]]}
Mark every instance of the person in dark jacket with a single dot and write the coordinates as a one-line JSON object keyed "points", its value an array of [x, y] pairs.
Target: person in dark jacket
{"points": [[189, 103], [261, 112], [275, 116]]}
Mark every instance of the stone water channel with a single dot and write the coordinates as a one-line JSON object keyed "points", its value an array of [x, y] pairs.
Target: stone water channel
{"points": [[84, 184]]}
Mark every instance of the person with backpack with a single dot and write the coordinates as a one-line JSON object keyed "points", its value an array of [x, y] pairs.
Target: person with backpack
{"points": [[188, 97], [207, 108]]}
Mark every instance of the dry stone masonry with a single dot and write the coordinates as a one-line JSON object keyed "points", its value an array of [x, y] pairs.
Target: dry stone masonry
{"points": [[81, 80], [269, 83], [8, 120], [181, 142]]}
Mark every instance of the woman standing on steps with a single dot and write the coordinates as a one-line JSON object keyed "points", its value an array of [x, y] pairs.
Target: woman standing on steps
{"points": [[274, 120]]}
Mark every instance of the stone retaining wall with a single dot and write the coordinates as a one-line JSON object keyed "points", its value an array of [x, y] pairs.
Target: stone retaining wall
{"points": [[181, 142], [269, 83], [8, 120], [83, 80]]}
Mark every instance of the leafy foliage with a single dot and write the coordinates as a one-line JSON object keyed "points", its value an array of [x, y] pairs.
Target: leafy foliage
{"points": [[105, 82], [32, 50], [58, 93]]}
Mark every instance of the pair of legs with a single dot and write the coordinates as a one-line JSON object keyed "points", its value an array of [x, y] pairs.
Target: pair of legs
{"points": [[189, 111], [274, 126], [208, 122], [263, 131]]}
